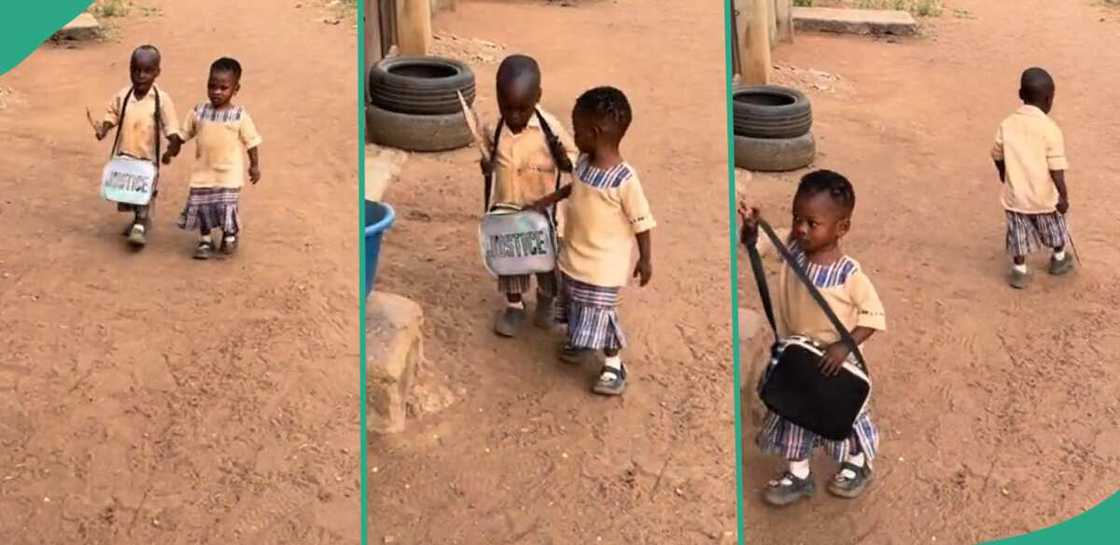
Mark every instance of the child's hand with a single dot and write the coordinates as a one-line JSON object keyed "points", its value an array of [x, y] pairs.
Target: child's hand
{"points": [[748, 217], [486, 166], [834, 358], [255, 174], [101, 131], [643, 270], [167, 155], [1063, 206]]}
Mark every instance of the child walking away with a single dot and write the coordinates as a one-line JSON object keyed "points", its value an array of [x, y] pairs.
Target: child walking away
{"points": [[143, 115], [822, 215], [1031, 160], [530, 150], [224, 135], [606, 213]]}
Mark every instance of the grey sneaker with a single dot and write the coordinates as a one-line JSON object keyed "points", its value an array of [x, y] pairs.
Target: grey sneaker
{"points": [[543, 315], [1019, 280], [844, 487], [1062, 266], [137, 235], [787, 489], [509, 322]]}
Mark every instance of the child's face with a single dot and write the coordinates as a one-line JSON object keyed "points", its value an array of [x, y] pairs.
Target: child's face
{"points": [[518, 105], [143, 70], [818, 222], [221, 87], [585, 133]]}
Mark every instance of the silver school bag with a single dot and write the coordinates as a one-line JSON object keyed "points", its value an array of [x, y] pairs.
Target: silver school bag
{"points": [[517, 242]]}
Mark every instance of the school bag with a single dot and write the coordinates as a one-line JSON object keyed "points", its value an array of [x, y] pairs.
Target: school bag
{"points": [[792, 385], [513, 241], [130, 180]]}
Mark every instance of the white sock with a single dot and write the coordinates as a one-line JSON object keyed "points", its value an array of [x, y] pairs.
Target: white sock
{"points": [[1021, 269], [613, 362], [799, 468], [1060, 255], [204, 238], [519, 304]]}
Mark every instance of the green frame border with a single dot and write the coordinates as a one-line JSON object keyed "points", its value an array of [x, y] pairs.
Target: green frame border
{"points": [[363, 464]]}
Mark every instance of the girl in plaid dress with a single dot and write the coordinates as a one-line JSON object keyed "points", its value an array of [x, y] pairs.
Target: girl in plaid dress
{"points": [[607, 216], [822, 212]]}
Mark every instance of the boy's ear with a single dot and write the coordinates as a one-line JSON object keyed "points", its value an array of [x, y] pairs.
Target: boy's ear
{"points": [[844, 226]]}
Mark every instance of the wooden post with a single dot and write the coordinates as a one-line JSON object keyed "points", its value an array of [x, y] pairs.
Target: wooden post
{"points": [[757, 63], [414, 26], [736, 52], [372, 17], [772, 21], [784, 15]]}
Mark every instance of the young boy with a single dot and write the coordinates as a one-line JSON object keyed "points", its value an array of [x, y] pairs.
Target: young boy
{"points": [[530, 149], [822, 215], [225, 135], [606, 213], [1031, 161], [149, 115]]}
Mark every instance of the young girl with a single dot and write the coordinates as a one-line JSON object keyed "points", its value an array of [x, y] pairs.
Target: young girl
{"points": [[607, 215], [225, 134], [822, 215], [149, 116]]}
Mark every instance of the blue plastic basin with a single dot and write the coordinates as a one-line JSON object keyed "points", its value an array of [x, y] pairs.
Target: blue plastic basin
{"points": [[379, 218]]}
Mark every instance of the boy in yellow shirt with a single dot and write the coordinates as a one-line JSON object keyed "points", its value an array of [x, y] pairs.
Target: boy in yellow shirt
{"points": [[530, 150], [607, 216], [148, 117], [224, 135], [1030, 157]]}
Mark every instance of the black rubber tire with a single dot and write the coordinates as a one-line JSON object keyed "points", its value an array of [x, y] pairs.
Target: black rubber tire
{"points": [[770, 111], [421, 85], [412, 132], [775, 154]]}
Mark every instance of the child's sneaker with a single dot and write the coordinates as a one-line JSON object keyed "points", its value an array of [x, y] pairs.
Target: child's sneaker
{"points": [[509, 321], [136, 235], [612, 382], [787, 489], [1019, 279], [1062, 266], [229, 245], [850, 487], [204, 250]]}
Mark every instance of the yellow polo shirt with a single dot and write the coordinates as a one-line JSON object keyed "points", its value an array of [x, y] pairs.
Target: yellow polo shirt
{"points": [[846, 289], [223, 139], [524, 170], [606, 210], [1031, 145], [138, 132]]}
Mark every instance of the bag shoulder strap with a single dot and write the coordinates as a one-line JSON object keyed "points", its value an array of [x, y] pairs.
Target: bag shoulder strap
{"points": [[120, 123], [764, 292]]}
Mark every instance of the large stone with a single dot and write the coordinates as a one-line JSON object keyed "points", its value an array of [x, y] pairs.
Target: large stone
{"points": [[83, 27], [383, 165], [395, 351], [855, 21]]}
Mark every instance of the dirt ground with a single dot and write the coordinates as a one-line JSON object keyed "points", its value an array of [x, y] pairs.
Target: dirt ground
{"points": [[149, 398], [998, 408], [527, 454]]}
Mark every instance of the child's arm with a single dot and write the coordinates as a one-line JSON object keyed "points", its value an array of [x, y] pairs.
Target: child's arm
{"points": [[997, 155], [644, 268], [254, 165], [748, 218], [837, 353], [1001, 169], [112, 114], [1059, 177], [552, 198]]}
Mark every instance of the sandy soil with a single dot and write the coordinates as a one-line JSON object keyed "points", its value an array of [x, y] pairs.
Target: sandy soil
{"points": [[527, 455], [998, 407], [149, 398]]}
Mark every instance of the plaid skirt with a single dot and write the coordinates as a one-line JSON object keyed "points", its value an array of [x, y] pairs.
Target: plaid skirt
{"points": [[1026, 231], [591, 313], [784, 438], [522, 283], [211, 208]]}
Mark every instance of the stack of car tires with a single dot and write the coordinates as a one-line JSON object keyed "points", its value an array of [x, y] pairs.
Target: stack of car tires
{"points": [[414, 103], [773, 129]]}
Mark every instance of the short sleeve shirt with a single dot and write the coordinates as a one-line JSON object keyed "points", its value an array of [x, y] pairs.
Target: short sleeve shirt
{"points": [[1031, 145], [844, 286], [606, 210], [222, 140], [524, 170], [138, 130]]}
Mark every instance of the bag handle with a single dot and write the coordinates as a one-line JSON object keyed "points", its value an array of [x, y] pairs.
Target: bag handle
{"points": [[767, 304]]}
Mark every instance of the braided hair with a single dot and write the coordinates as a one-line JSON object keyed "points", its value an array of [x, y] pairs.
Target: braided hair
{"points": [[833, 183]]}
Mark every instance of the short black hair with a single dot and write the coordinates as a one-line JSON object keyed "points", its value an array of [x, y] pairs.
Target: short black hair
{"points": [[606, 105], [1035, 85], [226, 64], [516, 67], [833, 183], [149, 48]]}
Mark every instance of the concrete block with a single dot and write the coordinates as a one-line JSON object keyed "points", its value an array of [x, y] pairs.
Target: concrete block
{"points": [[855, 21], [383, 165], [395, 352], [83, 27]]}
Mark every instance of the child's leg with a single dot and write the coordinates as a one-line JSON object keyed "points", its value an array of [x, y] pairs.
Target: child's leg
{"points": [[1020, 242], [1054, 233], [855, 459], [544, 316], [612, 378], [509, 321]]}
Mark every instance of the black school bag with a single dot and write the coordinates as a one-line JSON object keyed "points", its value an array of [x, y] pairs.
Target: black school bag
{"points": [[555, 148], [792, 385]]}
